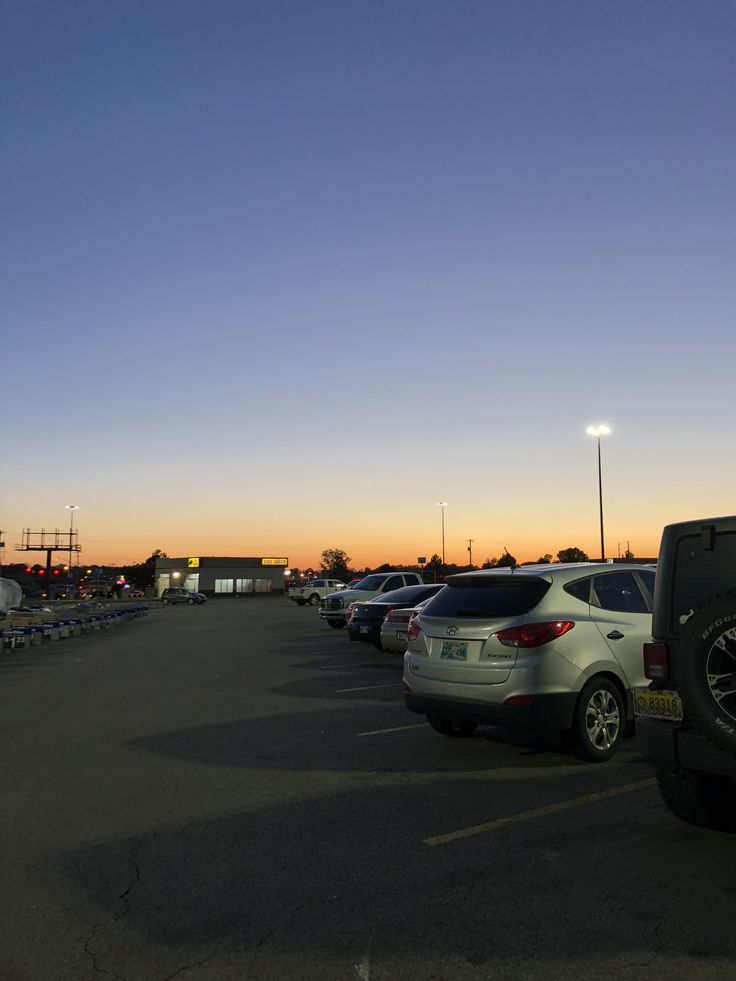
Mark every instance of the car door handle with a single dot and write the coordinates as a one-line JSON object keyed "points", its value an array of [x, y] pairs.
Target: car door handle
{"points": [[615, 635]]}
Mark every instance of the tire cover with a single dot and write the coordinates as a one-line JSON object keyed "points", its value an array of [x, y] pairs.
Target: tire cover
{"points": [[707, 671]]}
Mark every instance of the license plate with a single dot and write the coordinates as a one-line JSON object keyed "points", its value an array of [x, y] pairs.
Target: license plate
{"points": [[365, 630], [401, 635], [454, 650], [657, 704]]}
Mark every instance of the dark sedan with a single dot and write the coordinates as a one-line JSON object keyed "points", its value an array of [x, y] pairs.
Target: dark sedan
{"points": [[365, 619]]}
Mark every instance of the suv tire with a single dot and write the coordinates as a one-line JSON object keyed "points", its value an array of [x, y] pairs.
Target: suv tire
{"points": [[707, 800], [314, 599], [600, 719], [707, 667], [459, 728]]}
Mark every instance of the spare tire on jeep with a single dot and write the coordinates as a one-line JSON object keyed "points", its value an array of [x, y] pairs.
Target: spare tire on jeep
{"points": [[707, 670]]}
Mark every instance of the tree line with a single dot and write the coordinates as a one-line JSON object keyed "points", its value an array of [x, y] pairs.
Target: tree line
{"points": [[336, 563]]}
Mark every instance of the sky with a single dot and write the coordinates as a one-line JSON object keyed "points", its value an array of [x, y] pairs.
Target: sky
{"points": [[280, 276]]}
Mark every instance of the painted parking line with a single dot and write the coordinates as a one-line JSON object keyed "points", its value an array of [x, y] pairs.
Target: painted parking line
{"points": [[341, 691], [564, 805], [380, 732]]}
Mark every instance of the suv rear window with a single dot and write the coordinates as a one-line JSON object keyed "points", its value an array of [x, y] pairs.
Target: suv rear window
{"points": [[497, 599]]}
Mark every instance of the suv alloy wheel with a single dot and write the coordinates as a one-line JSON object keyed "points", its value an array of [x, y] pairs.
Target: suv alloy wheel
{"points": [[599, 719]]}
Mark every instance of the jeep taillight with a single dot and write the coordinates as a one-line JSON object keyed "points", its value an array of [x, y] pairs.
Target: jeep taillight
{"points": [[656, 661], [413, 630], [534, 634]]}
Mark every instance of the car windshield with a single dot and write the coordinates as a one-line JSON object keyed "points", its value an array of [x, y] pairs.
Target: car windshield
{"points": [[408, 595], [370, 583], [493, 600]]}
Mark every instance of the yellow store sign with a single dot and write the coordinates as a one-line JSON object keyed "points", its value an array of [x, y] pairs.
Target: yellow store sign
{"points": [[193, 563], [274, 561]]}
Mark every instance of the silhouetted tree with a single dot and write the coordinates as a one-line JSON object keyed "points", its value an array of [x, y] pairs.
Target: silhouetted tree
{"points": [[506, 560], [571, 555], [335, 563]]}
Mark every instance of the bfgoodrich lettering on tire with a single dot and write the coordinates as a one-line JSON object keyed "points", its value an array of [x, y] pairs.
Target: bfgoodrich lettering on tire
{"points": [[707, 670]]}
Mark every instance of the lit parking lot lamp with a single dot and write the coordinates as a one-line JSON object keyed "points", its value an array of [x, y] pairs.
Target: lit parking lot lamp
{"points": [[443, 505]]}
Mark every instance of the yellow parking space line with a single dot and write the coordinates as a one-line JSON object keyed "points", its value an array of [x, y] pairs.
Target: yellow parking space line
{"points": [[538, 812], [379, 732], [341, 691]]}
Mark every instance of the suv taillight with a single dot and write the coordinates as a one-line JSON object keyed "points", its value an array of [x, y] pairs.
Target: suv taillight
{"points": [[413, 630], [656, 661], [534, 634]]}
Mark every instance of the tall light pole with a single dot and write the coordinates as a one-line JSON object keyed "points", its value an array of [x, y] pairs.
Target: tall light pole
{"points": [[600, 430], [443, 505], [71, 508]]}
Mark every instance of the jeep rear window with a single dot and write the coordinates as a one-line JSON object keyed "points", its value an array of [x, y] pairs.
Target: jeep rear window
{"points": [[506, 599], [700, 574]]}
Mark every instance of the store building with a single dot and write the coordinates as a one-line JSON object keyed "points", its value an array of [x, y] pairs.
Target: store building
{"points": [[219, 577]]}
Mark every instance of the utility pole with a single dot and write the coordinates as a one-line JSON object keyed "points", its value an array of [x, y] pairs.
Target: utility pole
{"points": [[470, 551]]}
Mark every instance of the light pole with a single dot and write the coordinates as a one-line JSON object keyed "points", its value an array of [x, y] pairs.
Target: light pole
{"points": [[443, 505], [71, 508], [598, 431]]}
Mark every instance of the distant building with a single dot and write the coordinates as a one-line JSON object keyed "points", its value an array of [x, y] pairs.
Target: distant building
{"points": [[220, 577]]}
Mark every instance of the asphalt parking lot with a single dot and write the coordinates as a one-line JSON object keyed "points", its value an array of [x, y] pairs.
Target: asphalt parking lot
{"points": [[236, 791]]}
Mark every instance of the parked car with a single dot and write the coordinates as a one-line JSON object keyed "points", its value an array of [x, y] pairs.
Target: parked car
{"points": [[551, 647], [365, 619], [314, 591], [177, 594], [395, 625], [334, 609], [29, 610], [686, 717]]}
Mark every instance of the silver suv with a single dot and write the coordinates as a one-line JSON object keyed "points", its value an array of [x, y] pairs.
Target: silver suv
{"points": [[545, 647]]}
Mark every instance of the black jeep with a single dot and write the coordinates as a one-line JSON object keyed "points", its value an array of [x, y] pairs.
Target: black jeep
{"points": [[686, 719]]}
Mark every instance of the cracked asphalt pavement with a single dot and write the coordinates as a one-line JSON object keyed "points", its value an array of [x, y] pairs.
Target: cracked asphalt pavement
{"points": [[236, 791]]}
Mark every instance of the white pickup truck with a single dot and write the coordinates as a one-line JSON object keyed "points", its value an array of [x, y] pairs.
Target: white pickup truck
{"points": [[314, 592]]}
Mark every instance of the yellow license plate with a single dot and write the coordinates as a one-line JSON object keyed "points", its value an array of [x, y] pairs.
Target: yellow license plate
{"points": [[657, 704]]}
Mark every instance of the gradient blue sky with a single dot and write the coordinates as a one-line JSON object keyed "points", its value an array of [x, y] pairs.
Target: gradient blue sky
{"points": [[280, 276]]}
